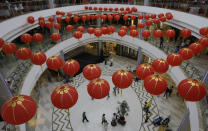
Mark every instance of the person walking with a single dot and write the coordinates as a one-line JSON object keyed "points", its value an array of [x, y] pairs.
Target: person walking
{"points": [[104, 119], [147, 117], [108, 96], [161, 42], [170, 91], [166, 93], [84, 117], [114, 90]]}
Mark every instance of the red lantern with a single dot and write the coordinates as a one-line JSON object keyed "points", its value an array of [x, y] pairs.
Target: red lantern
{"points": [[38, 37], [153, 16], [156, 21], [92, 17], [203, 31], [67, 19], [54, 63], [76, 19], [23, 53], [186, 53], [98, 32], [144, 70], [88, 17], [170, 33], [127, 9], [18, 109], [57, 26], [71, 67], [158, 33], [122, 33], [122, 79], [90, 30], [114, 14], [140, 16], [161, 15], [121, 9], [174, 59], [49, 25], [110, 17], [146, 16], [140, 25], [132, 27], [105, 9], [160, 65], [84, 18], [38, 58], [59, 19], [41, 19], [100, 8], [117, 17], [26, 38], [155, 84], [69, 28], [98, 88], [124, 28], [41, 23], [97, 16], [148, 22], [81, 29], [162, 19], [125, 12], [95, 8], [86, 7], [62, 13], [69, 14], [90, 8], [1, 42], [192, 89], [134, 9], [116, 9], [77, 15], [64, 97], [185, 33], [30, 19], [133, 17], [105, 30], [169, 16], [203, 42], [91, 71], [55, 37], [145, 33], [111, 29], [196, 48], [103, 17], [58, 12], [120, 14], [110, 9], [134, 33], [9, 48], [125, 17], [77, 34]]}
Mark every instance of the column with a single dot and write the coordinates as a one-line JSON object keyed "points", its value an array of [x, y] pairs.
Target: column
{"points": [[100, 48], [51, 3], [139, 56], [5, 92], [146, 2]]}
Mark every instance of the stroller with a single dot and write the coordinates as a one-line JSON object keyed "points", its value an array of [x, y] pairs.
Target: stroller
{"points": [[157, 121]]}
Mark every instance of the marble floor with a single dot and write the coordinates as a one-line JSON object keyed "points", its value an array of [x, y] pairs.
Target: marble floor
{"points": [[49, 118]]}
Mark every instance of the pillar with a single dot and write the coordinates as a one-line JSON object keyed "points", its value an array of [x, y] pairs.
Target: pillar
{"points": [[146, 2], [139, 56], [51, 3], [100, 48], [5, 92]]}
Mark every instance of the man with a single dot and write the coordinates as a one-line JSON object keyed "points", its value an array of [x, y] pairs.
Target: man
{"points": [[84, 117], [161, 42], [166, 93]]}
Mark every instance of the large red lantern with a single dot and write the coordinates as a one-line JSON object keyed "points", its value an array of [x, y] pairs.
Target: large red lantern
{"points": [[67, 19], [122, 33], [149, 22], [51, 19], [23, 53], [30, 19], [76, 19], [203, 31], [110, 17], [1, 42], [174, 59], [117, 17], [91, 71], [58, 12], [38, 37], [156, 21], [122, 79], [90, 8], [49, 25], [115, 9], [132, 27], [77, 34], [125, 12], [192, 89], [81, 29], [38, 58], [155, 84], [64, 97], [161, 15], [145, 33], [9, 48], [71, 67], [100, 8], [153, 16], [41, 23], [125, 17], [134, 9], [105, 9], [103, 17], [185, 33], [140, 16], [57, 26], [69, 14], [144, 70], [110, 9], [59, 19], [90, 30], [160, 65], [134, 33], [158, 33], [84, 18], [86, 7], [26, 38], [69, 28], [98, 32], [105, 30], [95, 8], [186, 53], [162, 19], [170, 33], [146, 16], [111, 29], [124, 28], [203, 42], [141, 25], [18, 109], [98, 88], [133, 17], [55, 37], [54, 63], [169, 16], [196, 48], [41, 18], [121, 9]]}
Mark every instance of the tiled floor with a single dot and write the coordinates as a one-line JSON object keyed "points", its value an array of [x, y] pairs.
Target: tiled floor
{"points": [[49, 118]]}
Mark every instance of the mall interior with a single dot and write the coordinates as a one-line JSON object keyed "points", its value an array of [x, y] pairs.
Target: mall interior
{"points": [[103, 65]]}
